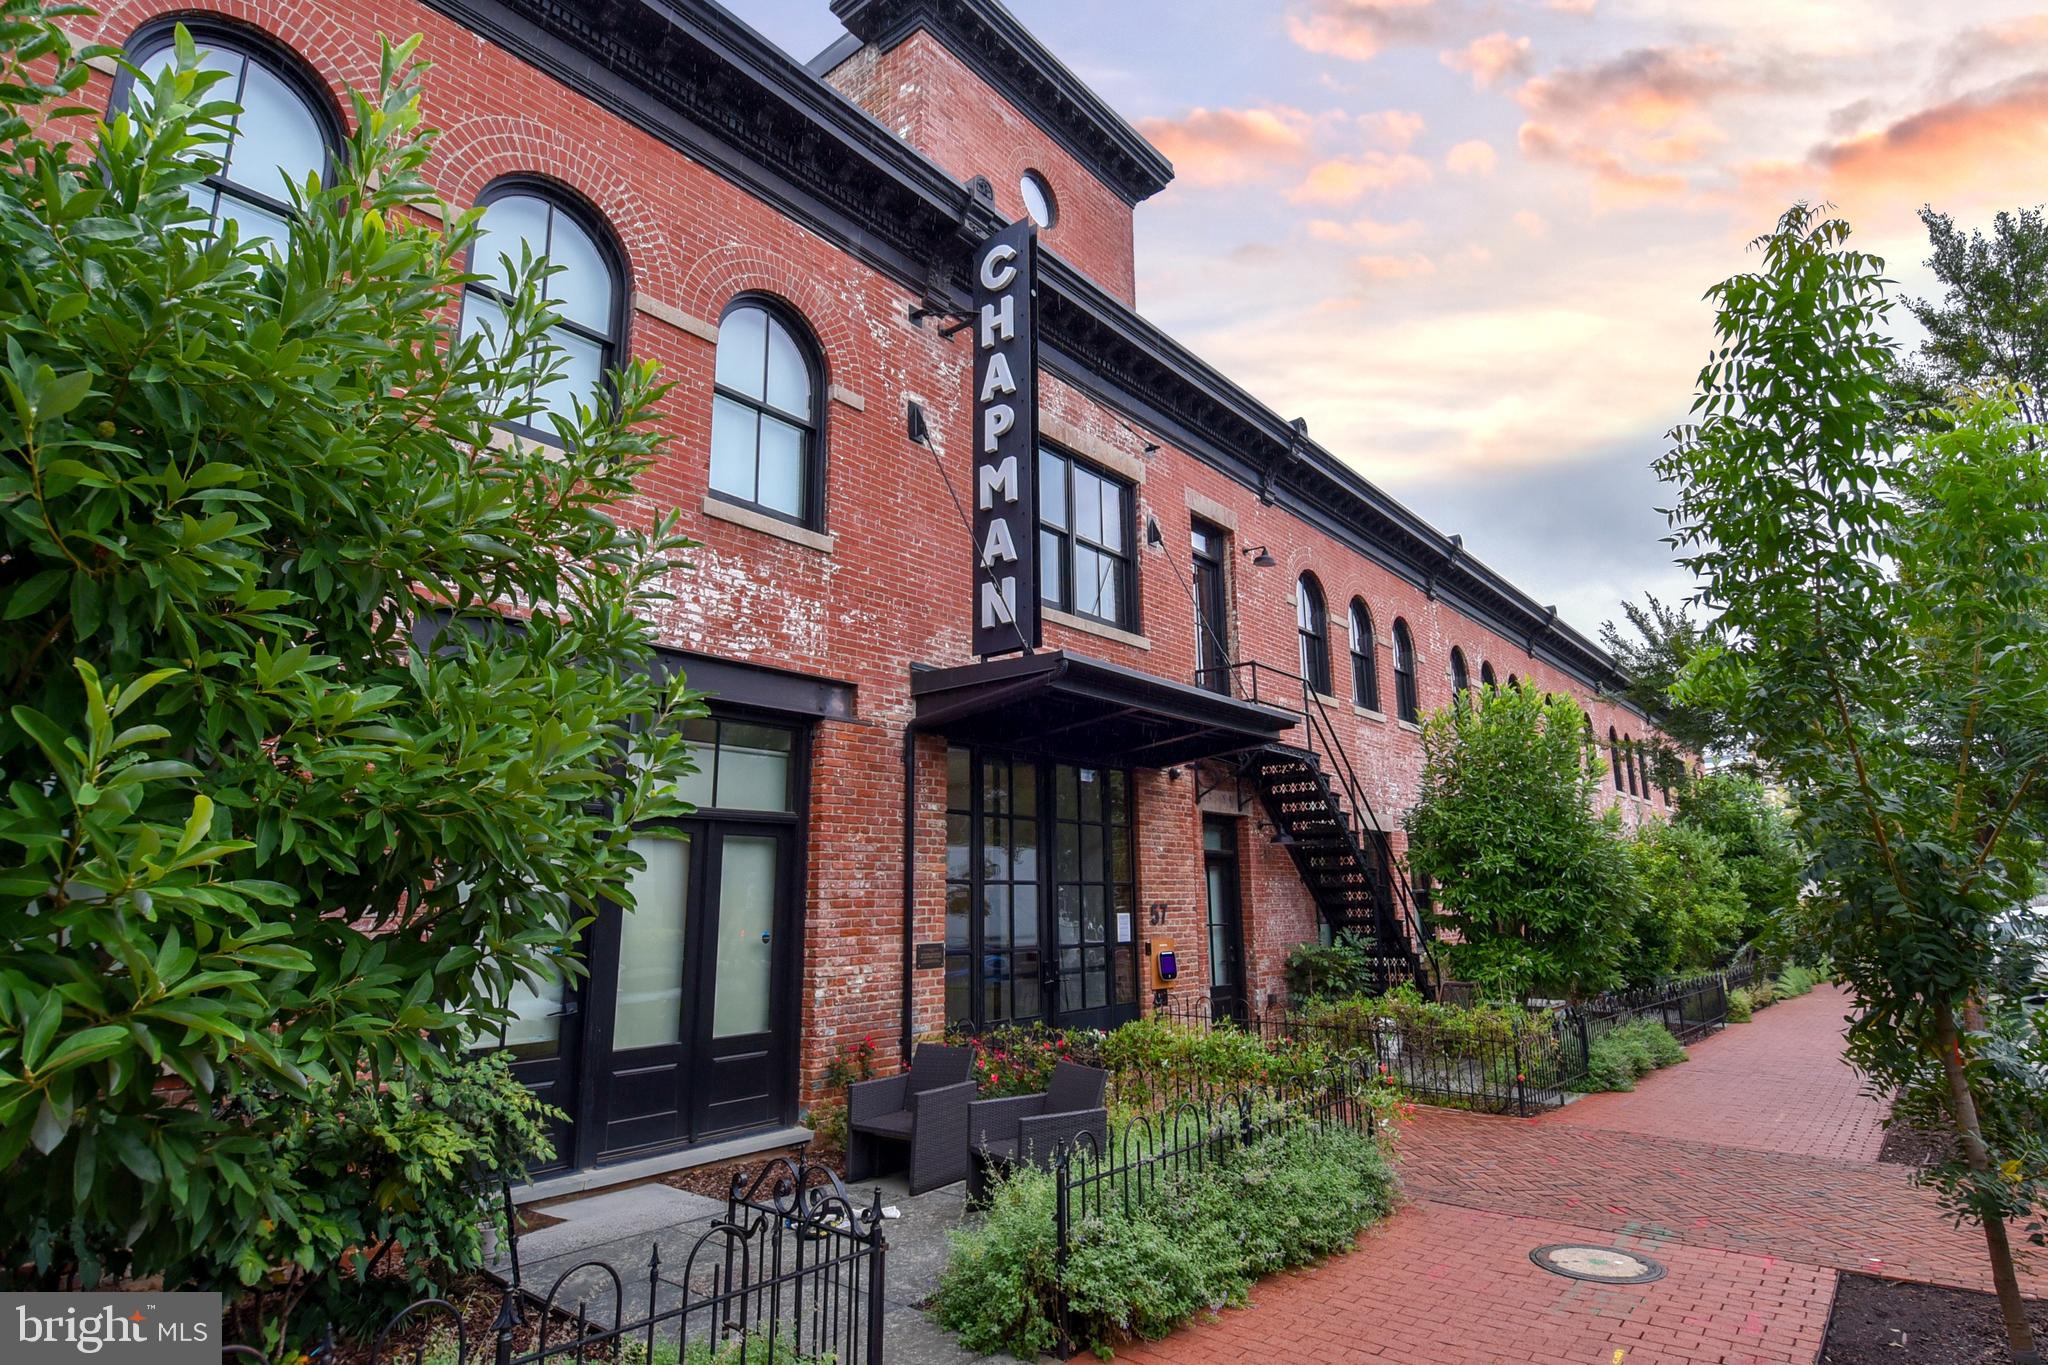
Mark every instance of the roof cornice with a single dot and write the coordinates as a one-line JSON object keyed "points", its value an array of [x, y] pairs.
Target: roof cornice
{"points": [[986, 36]]}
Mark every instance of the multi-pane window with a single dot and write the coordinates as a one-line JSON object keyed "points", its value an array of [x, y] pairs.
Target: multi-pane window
{"points": [[1631, 758], [764, 416], [1487, 677], [1365, 673], [1084, 541], [1041, 892], [1406, 703], [1461, 680], [1614, 757], [524, 219], [1312, 629], [281, 136]]}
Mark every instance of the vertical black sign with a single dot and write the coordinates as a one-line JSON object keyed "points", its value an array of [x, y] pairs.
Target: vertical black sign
{"points": [[1006, 442]]}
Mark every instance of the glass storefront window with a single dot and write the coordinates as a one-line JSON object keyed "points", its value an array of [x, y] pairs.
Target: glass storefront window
{"points": [[740, 765]]}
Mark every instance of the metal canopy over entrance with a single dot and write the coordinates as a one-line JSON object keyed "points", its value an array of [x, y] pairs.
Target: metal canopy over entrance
{"points": [[1070, 706]]}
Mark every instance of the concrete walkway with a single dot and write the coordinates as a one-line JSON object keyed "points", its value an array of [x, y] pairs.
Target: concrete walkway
{"points": [[1748, 1171]]}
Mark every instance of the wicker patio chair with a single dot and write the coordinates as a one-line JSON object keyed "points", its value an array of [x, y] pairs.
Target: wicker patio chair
{"points": [[1031, 1128], [926, 1108]]}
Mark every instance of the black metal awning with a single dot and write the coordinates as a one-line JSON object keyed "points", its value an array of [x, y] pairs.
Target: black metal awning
{"points": [[1086, 710]]}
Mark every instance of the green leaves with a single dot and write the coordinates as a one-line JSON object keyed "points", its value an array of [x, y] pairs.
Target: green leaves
{"points": [[1536, 885], [1883, 617], [285, 804]]}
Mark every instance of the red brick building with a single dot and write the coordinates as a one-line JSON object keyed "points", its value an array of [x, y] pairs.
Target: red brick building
{"points": [[1209, 747]]}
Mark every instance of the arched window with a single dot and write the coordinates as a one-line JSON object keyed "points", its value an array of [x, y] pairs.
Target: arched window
{"points": [[1461, 680], [1614, 759], [1312, 625], [765, 415], [1487, 677], [1365, 669], [1514, 682], [526, 216], [1592, 740], [1628, 760], [286, 131], [1406, 705]]}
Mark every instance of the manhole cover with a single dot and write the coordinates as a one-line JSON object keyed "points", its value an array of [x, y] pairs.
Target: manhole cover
{"points": [[1603, 1265]]}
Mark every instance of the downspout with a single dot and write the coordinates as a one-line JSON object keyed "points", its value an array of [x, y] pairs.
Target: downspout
{"points": [[909, 877]]}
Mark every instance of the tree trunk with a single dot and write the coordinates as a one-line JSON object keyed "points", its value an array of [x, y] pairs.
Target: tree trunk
{"points": [[1963, 1109]]}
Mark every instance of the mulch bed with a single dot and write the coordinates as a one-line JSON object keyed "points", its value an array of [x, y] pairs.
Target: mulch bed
{"points": [[1908, 1144], [715, 1181], [1888, 1322]]}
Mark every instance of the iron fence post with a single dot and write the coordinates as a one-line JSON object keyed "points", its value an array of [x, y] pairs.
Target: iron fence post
{"points": [[1062, 1163], [1521, 1099], [878, 1258], [509, 1318]]}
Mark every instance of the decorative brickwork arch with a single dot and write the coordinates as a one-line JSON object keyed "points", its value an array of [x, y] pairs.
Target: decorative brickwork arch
{"points": [[475, 152], [325, 45], [725, 272]]}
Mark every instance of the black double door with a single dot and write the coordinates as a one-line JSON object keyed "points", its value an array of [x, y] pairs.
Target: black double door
{"points": [[684, 1029], [697, 1042]]}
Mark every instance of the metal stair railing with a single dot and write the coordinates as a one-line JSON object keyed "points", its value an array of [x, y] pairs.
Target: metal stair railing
{"points": [[1324, 742]]}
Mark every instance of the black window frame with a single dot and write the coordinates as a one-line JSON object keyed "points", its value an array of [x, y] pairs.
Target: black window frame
{"points": [[1633, 756], [1614, 758], [1365, 665], [1487, 677], [1209, 551], [1407, 698], [1312, 633], [1065, 538], [250, 44], [1461, 676], [779, 311], [561, 198]]}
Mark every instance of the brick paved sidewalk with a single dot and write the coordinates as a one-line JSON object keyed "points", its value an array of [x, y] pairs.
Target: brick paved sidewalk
{"points": [[1749, 1171]]}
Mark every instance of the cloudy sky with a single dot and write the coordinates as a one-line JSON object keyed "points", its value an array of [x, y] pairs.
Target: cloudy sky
{"points": [[1467, 239]]}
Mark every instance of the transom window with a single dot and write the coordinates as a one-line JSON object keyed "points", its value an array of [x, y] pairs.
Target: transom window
{"points": [[584, 292], [764, 415], [282, 135], [1312, 627], [741, 765], [1084, 541], [1365, 673], [1406, 703]]}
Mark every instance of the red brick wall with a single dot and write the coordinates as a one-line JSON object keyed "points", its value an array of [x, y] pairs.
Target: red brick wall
{"points": [[928, 97], [894, 589]]}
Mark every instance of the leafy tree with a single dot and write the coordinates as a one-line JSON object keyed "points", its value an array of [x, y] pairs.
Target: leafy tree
{"points": [[291, 803], [1534, 883], [1883, 611], [1756, 843], [1690, 908], [1991, 323], [1653, 657]]}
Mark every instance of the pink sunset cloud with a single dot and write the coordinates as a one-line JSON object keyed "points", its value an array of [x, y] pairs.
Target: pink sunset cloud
{"points": [[1471, 158], [1344, 180], [1356, 29], [1490, 59], [1231, 146]]}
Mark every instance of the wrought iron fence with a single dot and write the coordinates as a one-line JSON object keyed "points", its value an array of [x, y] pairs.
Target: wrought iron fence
{"points": [[1192, 1134], [792, 1274], [1691, 1007], [1523, 1068]]}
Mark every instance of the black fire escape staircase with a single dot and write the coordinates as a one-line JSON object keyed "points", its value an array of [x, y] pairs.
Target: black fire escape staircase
{"points": [[1320, 814]]}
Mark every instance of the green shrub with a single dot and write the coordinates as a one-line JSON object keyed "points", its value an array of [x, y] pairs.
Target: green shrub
{"points": [[1794, 980], [1195, 1242], [1628, 1052], [1741, 1005], [1152, 1058], [1763, 994], [1335, 970]]}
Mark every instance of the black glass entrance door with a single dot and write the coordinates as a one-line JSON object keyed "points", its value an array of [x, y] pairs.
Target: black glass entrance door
{"points": [[1212, 608], [1226, 918], [1040, 892], [698, 1041]]}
